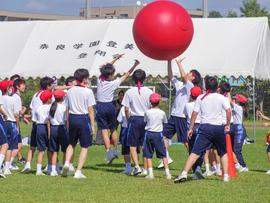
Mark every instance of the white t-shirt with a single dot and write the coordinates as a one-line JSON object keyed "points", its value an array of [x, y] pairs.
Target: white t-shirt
{"points": [[224, 118], [42, 114], [60, 115], [181, 97], [105, 89], [237, 113], [211, 108], [1, 96], [154, 119], [189, 107], [9, 107], [18, 102], [35, 103], [137, 103], [121, 118], [79, 99]]}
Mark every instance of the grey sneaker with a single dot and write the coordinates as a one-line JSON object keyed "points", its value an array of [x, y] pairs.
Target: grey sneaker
{"points": [[136, 171]]}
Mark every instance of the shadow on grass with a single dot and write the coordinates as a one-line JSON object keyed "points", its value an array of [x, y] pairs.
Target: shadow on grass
{"points": [[259, 171], [103, 168]]}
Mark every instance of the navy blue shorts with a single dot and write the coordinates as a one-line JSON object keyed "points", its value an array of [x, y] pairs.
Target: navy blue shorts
{"points": [[42, 137], [12, 135], [80, 129], [135, 135], [154, 141], [3, 132], [33, 139], [207, 135], [106, 116], [268, 149], [58, 137], [123, 141], [176, 125]]}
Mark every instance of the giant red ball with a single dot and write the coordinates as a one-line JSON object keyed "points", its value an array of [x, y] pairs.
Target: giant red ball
{"points": [[163, 30]]}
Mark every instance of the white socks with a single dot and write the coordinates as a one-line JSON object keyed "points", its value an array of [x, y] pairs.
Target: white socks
{"points": [[27, 165], [167, 155], [207, 167], [39, 166], [167, 171], [150, 171], [184, 173], [67, 164], [2, 157], [7, 165]]}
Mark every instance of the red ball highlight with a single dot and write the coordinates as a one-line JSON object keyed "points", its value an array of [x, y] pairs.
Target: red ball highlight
{"points": [[163, 30]]}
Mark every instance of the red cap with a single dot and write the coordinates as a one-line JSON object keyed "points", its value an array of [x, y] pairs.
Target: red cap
{"points": [[45, 96], [241, 98], [59, 94], [155, 98], [196, 91], [5, 84]]}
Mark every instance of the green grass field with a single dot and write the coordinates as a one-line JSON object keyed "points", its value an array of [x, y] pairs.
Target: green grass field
{"points": [[106, 184]]}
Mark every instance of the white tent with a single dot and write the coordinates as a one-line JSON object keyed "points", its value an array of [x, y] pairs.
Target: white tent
{"points": [[224, 46]]}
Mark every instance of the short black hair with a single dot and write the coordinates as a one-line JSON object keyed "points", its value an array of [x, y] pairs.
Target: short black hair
{"points": [[155, 104], [107, 70], [17, 83], [138, 75], [69, 79], [197, 81], [15, 77], [121, 92], [211, 84], [45, 82], [81, 74], [224, 86]]}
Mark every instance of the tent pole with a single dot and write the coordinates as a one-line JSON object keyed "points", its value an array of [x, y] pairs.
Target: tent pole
{"points": [[254, 110]]}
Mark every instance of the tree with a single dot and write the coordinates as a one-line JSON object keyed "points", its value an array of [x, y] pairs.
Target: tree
{"points": [[251, 8], [214, 14], [231, 14]]}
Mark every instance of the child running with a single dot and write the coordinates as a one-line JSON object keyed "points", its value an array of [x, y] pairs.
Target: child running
{"points": [[154, 140], [211, 130], [58, 131], [106, 116]]}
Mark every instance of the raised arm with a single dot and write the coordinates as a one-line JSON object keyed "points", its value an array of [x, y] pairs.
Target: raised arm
{"points": [[124, 77], [116, 58], [182, 72], [261, 115]]}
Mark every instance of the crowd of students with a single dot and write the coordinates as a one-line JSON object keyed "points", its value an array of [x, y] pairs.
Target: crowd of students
{"points": [[63, 116]]}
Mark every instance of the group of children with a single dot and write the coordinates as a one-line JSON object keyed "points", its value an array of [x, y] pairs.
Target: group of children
{"points": [[63, 115]]}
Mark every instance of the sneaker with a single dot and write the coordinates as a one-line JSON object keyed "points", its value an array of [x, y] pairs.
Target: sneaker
{"points": [[208, 173], [65, 171], [136, 171], [226, 178], [218, 172], [14, 167], [40, 173], [144, 172], [150, 176], [268, 172], [54, 173], [22, 161], [169, 176], [237, 166], [110, 157], [7, 172], [79, 175], [71, 168], [2, 175], [115, 153], [180, 179], [45, 170], [161, 165], [26, 170], [198, 175], [243, 169]]}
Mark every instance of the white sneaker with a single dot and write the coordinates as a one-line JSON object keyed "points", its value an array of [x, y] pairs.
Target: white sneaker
{"points": [[218, 172], [71, 168], [40, 173], [226, 178], [54, 173], [237, 166], [208, 173], [13, 167], [65, 171], [243, 169], [7, 172], [26, 170], [144, 172], [79, 175], [161, 165], [150, 176], [136, 171], [180, 179], [2, 175], [168, 176], [268, 172]]}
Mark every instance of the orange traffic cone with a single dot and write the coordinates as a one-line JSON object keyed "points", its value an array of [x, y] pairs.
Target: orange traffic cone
{"points": [[231, 166]]}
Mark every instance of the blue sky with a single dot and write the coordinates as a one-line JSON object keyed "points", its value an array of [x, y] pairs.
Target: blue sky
{"points": [[71, 7]]}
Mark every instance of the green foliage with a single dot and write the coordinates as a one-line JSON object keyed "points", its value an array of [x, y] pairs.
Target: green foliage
{"points": [[251, 8], [214, 14], [231, 14]]}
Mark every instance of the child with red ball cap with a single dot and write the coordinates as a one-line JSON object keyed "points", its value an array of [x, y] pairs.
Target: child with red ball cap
{"points": [[189, 107], [43, 128], [154, 140]]}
